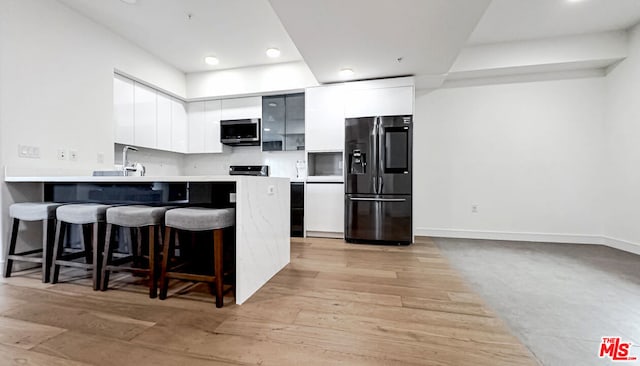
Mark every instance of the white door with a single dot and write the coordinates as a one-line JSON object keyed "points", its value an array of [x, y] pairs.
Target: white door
{"points": [[324, 208], [196, 117], [179, 132], [123, 110], [324, 118], [164, 129], [145, 116]]}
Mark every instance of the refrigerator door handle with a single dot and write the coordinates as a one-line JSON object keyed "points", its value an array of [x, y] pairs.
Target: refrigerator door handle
{"points": [[378, 199], [381, 148], [376, 151]]}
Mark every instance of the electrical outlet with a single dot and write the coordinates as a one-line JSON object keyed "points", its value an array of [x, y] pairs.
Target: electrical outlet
{"points": [[73, 155], [271, 190], [474, 208], [62, 154], [100, 158], [25, 151]]}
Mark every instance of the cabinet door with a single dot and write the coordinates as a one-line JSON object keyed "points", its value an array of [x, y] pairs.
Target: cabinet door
{"points": [[241, 108], [273, 123], [212, 142], [179, 131], [324, 209], [379, 102], [145, 116], [123, 114], [163, 125], [294, 122], [196, 117], [324, 118]]}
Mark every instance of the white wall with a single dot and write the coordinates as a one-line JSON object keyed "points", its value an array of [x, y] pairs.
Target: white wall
{"points": [[622, 169], [250, 80], [56, 72], [281, 163], [528, 154]]}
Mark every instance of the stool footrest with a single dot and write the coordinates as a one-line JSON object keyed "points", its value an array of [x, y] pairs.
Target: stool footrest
{"points": [[191, 277], [73, 264], [22, 258], [126, 269]]}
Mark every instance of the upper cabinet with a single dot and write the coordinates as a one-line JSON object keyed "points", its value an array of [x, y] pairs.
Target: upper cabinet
{"points": [[145, 111], [324, 127], [179, 126], [379, 102], [163, 122], [241, 108], [123, 107], [283, 122]]}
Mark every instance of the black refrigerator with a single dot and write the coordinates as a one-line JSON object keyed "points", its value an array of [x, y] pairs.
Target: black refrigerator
{"points": [[378, 179]]}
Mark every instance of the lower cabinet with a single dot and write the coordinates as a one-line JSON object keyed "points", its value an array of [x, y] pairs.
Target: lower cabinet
{"points": [[297, 209], [324, 209]]}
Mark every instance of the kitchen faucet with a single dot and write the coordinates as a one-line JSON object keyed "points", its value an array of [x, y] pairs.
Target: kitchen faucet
{"points": [[125, 167]]}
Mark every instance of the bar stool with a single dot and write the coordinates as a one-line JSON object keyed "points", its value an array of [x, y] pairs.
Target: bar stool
{"points": [[196, 219], [32, 211], [134, 217], [91, 216]]}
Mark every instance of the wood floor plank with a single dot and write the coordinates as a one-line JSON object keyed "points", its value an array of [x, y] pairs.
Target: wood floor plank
{"points": [[24, 334], [334, 304], [15, 356]]}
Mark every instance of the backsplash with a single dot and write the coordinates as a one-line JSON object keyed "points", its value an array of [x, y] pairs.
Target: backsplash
{"points": [[281, 163], [156, 162]]}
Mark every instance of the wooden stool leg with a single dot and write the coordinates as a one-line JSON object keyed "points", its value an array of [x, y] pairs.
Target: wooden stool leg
{"points": [[95, 248], [166, 250], [217, 265], [87, 242], [47, 249], [153, 284], [11, 249], [58, 248], [106, 257]]}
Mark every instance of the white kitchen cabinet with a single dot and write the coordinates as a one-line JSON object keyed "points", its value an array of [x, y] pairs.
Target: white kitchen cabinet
{"points": [[123, 110], [324, 118], [379, 102], [212, 113], [145, 112], [196, 126], [163, 122], [241, 108], [179, 127], [324, 209]]}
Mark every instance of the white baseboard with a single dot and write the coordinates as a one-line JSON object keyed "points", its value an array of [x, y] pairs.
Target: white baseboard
{"points": [[325, 234], [620, 244]]}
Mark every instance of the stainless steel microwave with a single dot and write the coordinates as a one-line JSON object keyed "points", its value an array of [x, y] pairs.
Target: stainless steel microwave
{"points": [[240, 132]]}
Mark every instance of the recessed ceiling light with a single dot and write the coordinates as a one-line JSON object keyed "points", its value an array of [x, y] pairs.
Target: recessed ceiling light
{"points": [[575, 1], [346, 73], [273, 52], [130, 2], [211, 60]]}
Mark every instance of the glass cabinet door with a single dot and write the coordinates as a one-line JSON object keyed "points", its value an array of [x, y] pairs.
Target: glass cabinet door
{"points": [[283, 122], [273, 123], [294, 126]]}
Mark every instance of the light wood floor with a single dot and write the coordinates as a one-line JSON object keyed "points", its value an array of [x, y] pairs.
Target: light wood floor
{"points": [[333, 304]]}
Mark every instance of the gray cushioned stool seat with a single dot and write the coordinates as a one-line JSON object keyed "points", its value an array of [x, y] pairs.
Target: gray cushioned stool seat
{"points": [[136, 215], [200, 219], [82, 213], [33, 211]]}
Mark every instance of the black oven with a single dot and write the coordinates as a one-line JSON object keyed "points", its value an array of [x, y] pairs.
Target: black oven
{"points": [[240, 132]]}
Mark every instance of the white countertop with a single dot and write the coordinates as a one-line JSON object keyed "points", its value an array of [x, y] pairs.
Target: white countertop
{"points": [[145, 179]]}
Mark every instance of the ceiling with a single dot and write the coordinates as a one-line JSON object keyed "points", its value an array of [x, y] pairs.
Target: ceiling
{"points": [[516, 20], [365, 35], [369, 36], [237, 32]]}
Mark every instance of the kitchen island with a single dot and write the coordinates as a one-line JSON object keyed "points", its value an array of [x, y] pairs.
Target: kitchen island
{"points": [[261, 203]]}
